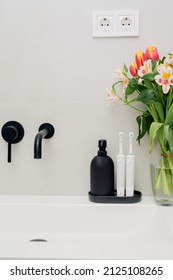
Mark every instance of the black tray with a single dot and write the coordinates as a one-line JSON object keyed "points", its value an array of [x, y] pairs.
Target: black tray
{"points": [[115, 199]]}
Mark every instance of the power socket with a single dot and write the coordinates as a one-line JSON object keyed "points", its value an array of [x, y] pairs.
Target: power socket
{"points": [[103, 24], [116, 23], [127, 23]]}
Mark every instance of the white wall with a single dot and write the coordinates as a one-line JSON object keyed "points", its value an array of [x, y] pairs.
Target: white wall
{"points": [[52, 70]]}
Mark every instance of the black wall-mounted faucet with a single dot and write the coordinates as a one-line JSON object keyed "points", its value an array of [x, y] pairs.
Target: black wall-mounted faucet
{"points": [[46, 131], [12, 132]]}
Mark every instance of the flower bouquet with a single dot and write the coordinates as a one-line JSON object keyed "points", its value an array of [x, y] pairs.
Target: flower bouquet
{"points": [[149, 80]]}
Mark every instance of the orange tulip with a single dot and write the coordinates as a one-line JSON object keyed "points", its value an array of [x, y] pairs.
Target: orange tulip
{"points": [[140, 57], [133, 69], [152, 53]]}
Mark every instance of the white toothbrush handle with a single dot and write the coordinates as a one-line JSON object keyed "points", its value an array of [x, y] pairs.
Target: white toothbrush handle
{"points": [[120, 175], [130, 175]]}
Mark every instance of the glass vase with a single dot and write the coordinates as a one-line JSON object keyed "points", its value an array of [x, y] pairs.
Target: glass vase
{"points": [[161, 168]]}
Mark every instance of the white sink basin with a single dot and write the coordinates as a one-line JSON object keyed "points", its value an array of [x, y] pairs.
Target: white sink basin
{"points": [[55, 227]]}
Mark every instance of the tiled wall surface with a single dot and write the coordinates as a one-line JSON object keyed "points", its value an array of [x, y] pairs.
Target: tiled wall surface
{"points": [[53, 70]]}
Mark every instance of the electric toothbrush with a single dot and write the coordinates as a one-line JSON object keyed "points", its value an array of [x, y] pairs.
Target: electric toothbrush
{"points": [[120, 168], [130, 168]]}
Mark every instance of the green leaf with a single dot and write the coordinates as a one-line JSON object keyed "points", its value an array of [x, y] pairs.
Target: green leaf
{"points": [[148, 77], [160, 110], [146, 96], [162, 60], [154, 65], [169, 116], [159, 95], [148, 84], [125, 68], [163, 135], [140, 87], [155, 126], [132, 86], [144, 123], [148, 121], [139, 120]]}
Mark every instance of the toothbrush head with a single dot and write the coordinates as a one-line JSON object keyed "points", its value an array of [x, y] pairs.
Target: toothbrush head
{"points": [[131, 135], [120, 143]]}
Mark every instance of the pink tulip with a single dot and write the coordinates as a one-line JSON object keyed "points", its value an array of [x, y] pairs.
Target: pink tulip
{"points": [[133, 69], [140, 57], [152, 53]]}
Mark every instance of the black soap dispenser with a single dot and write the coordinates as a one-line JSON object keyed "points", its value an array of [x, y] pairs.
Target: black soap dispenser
{"points": [[102, 172]]}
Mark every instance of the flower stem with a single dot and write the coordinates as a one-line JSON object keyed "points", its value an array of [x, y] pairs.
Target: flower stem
{"points": [[124, 101], [131, 106]]}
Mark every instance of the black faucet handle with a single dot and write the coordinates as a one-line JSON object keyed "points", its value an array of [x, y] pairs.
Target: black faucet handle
{"points": [[12, 132], [9, 133]]}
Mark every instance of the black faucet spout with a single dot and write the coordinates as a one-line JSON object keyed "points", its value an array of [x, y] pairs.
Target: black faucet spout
{"points": [[38, 143], [46, 131]]}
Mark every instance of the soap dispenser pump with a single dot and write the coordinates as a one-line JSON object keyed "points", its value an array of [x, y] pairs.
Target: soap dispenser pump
{"points": [[102, 172]]}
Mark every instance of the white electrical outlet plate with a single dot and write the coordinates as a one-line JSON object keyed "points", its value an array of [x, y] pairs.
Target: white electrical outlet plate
{"points": [[116, 23]]}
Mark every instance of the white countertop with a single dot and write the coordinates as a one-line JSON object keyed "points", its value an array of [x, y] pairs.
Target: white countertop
{"points": [[58, 199]]}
